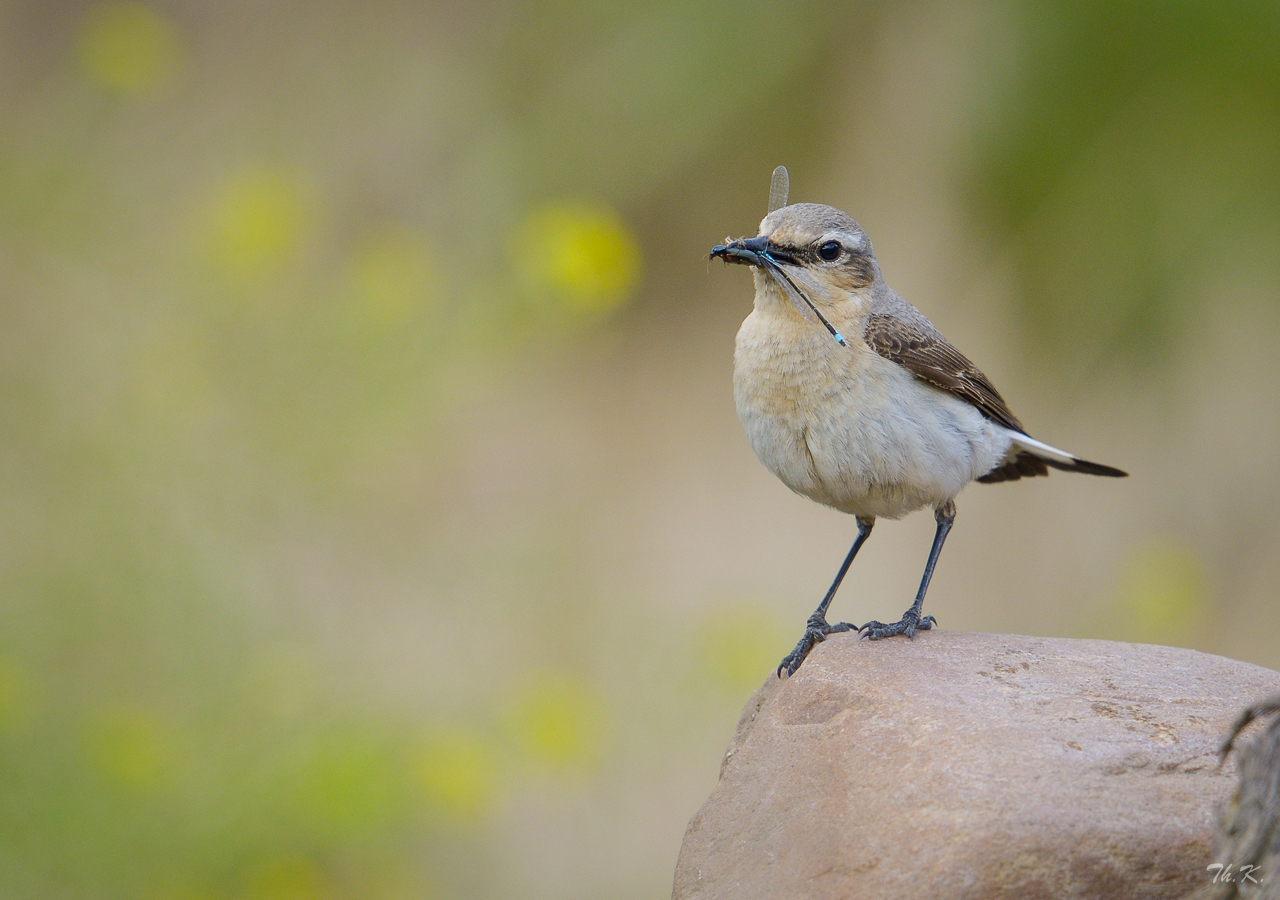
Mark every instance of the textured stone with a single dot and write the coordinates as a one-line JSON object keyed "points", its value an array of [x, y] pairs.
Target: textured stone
{"points": [[1247, 845], [963, 765]]}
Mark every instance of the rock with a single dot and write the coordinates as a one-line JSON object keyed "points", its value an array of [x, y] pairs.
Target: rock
{"points": [[965, 765], [1247, 845]]}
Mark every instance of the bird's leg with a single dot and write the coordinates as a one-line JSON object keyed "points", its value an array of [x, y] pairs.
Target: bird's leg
{"points": [[817, 629], [911, 622]]}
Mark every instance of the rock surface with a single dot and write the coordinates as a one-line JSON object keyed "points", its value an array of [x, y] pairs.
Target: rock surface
{"points": [[1248, 840], [962, 765]]}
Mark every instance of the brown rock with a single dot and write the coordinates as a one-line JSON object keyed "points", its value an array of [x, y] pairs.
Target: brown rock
{"points": [[1247, 846], [965, 765]]}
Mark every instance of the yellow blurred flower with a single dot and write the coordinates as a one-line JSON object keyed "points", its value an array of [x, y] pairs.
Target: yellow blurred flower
{"points": [[134, 748], [739, 645], [558, 721], [127, 46], [1161, 593], [256, 220], [581, 257], [457, 773]]}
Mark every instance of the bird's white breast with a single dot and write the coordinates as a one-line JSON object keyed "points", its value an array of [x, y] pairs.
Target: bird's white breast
{"points": [[849, 428]]}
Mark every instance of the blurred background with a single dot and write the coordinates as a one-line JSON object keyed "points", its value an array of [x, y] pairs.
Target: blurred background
{"points": [[374, 517]]}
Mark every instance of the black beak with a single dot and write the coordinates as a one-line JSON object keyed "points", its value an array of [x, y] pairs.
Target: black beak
{"points": [[745, 251], [757, 251]]}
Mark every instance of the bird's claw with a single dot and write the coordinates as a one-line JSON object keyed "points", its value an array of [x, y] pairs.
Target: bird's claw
{"points": [[909, 624], [816, 631]]}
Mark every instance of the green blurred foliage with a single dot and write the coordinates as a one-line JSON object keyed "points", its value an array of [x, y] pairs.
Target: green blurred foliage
{"points": [[133, 749], [393, 274], [15, 699], [649, 86], [1134, 159], [287, 878]]}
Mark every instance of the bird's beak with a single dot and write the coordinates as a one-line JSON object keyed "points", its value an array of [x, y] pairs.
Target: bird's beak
{"points": [[744, 251], [770, 258]]}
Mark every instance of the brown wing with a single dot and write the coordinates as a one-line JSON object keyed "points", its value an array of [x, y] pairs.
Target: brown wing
{"points": [[918, 347]]}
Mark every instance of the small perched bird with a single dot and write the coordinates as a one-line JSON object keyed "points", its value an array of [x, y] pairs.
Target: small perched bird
{"points": [[851, 396]]}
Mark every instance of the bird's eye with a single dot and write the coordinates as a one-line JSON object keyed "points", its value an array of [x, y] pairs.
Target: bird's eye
{"points": [[830, 251]]}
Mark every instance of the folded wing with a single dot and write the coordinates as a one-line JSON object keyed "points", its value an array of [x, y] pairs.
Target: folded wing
{"points": [[910, 340]]}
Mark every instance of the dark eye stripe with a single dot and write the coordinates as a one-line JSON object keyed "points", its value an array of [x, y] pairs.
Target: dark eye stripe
{"points": [[857, 261]]}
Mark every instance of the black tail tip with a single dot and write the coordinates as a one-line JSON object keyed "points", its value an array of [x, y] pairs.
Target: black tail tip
{"points": [[1091, 468], [1085, 467]]}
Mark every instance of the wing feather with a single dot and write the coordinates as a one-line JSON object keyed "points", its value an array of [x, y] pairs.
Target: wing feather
{"points": [[917, 345]]}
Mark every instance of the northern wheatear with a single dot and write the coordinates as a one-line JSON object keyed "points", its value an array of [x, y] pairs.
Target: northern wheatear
{"points": [[851, 396]]}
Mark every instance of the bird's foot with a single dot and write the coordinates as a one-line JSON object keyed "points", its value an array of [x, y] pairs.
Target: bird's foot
{"points": [[815, 631], [909, 624]]}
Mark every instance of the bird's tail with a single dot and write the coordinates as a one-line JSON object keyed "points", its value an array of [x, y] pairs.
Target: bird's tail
{"points": [[1028, 458]]}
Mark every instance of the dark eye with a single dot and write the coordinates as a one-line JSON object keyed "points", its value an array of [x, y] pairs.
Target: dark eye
{"points": [[830, 251]]}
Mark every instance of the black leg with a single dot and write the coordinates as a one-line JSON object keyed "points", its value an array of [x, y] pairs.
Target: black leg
{"points": [[817, 629], [911, 622]]}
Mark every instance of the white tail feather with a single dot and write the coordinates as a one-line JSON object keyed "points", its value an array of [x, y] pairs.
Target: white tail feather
{"points": [[1039, 448]]}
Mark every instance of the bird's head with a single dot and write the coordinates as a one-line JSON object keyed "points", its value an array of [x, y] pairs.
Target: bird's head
{"points": [[809, 249]]}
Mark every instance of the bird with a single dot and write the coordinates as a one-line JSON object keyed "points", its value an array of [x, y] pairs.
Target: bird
{"points": [[852, 398]]}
